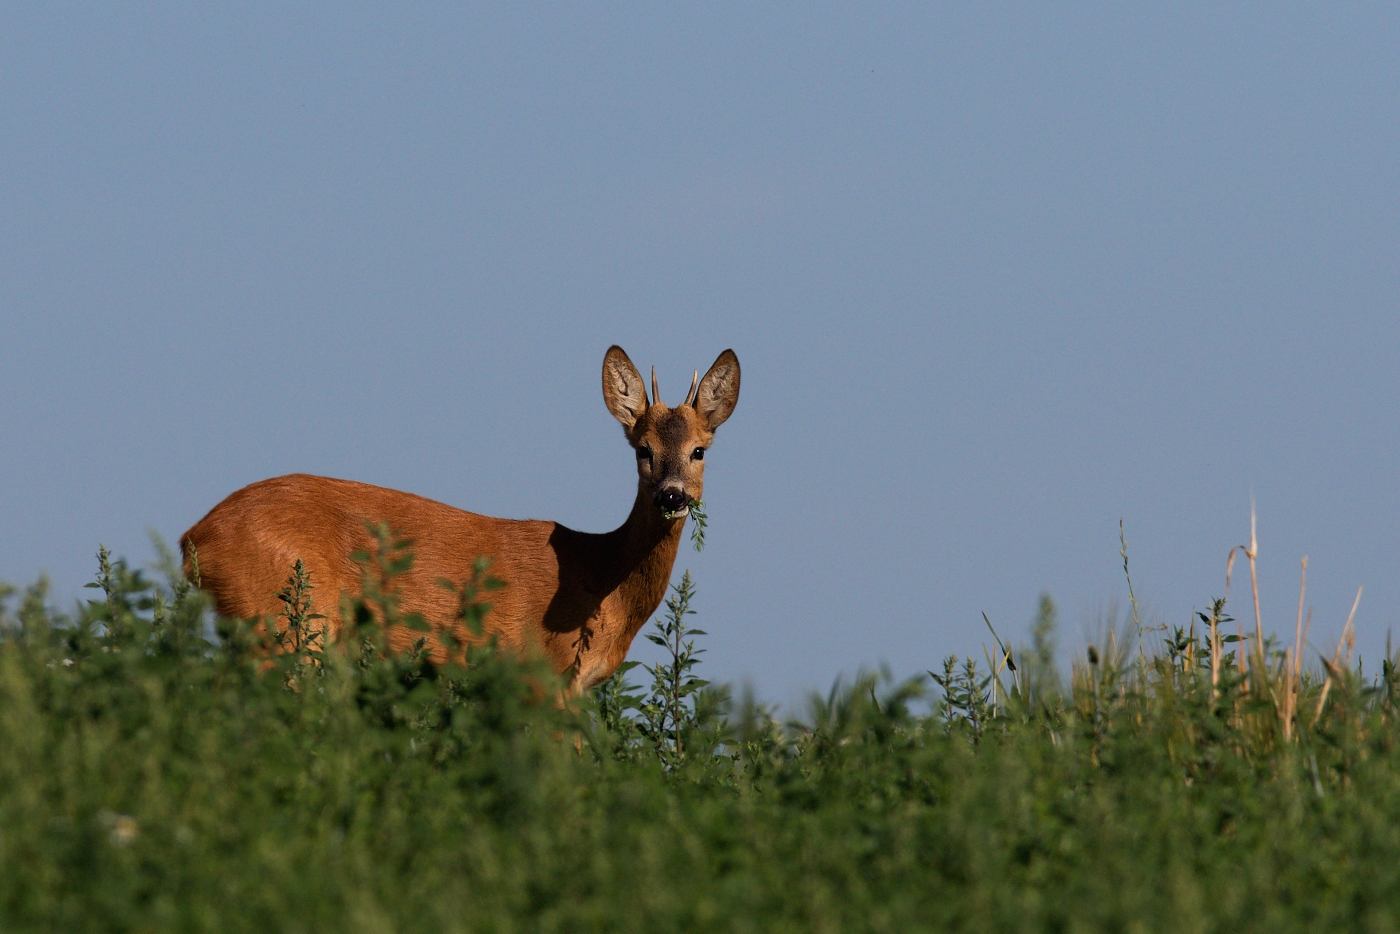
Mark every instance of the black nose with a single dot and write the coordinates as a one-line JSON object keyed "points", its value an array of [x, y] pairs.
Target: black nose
{"points": [[670, 499]]}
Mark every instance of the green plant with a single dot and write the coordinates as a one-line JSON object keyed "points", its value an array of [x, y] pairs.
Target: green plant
{"points": [[967, 700], [696, 510], [667, 717], [303, 638], [613, 701]]}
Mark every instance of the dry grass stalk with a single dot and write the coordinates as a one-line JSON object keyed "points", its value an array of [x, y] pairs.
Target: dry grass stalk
{"points": [[1292, 672], [1295, 659], [1296, 678], [1252, 553], [1302, 641], [1334, 670], [1283, 703], [1240, 662], [1350, 630]]}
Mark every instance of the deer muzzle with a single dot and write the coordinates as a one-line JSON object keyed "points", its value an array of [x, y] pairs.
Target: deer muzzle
{"points": [[671, 499]]}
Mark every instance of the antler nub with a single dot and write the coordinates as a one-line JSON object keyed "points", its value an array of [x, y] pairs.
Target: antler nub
{"points": [[690, 396], [655, 393]]}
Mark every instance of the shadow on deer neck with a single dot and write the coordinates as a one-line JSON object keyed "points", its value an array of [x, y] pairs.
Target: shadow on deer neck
{"points": [[633, 561]]}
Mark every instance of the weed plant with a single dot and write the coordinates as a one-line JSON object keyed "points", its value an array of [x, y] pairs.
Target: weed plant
{"points": [[164, 771]]}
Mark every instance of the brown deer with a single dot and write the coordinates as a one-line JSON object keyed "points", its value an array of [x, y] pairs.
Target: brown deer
{"points": [[576, 598]]}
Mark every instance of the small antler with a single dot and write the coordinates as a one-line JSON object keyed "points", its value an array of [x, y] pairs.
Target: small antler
{"points": [[655, 393], [690, 396]]}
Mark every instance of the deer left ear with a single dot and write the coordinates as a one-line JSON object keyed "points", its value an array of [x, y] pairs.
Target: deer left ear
{"points": [[718, 392]]}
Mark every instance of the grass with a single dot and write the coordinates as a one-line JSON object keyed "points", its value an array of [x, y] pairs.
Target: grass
{"points": [[162, 772]]}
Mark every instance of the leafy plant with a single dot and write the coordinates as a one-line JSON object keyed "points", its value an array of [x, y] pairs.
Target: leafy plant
{"points": [[667, 716], [613, 701], [304, 636], [967, 700], [696, 510]]}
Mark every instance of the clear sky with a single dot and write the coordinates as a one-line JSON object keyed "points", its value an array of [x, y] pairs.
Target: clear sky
{"points": [[997, 277]]}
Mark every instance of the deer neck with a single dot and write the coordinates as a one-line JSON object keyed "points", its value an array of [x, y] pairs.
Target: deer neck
{"points": [[646, 546]]}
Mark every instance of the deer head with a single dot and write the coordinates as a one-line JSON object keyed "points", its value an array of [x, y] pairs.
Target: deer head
{"points": [[670, 443]]}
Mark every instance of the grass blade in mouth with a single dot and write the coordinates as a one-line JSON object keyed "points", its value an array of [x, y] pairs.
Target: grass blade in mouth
{"points": [[696, 510]]}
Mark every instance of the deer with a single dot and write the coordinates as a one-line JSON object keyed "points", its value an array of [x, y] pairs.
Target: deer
{"points": [[576, 599]]}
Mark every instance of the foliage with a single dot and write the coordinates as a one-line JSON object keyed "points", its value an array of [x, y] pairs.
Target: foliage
{"points": [[666, 717], [163, 771], [698, 521], [682, 715], [695, 509]]}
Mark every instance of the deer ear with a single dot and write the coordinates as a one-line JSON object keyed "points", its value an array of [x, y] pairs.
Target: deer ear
{"points": [[623, 391], [718, 392]]}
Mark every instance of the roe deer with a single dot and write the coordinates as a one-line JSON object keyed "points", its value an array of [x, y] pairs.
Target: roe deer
{"points": [[576, 598]]}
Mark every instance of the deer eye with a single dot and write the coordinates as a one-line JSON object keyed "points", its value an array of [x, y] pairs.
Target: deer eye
{"points": [[698, 454], [644, 453]]}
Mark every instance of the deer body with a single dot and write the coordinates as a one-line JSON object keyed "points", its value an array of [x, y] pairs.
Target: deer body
{"points": [[577, 599]]}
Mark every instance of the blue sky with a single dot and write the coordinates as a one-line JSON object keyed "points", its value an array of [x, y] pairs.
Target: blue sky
{"points": [[997, 276]]}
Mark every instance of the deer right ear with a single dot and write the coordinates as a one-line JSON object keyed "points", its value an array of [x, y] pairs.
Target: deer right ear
{"points": [[623, 391]]}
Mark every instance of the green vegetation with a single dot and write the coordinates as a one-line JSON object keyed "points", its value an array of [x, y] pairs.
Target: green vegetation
{"points": [[160, 772], [698, 520]]}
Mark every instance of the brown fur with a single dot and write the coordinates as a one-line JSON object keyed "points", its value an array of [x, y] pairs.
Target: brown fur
{"points": [[576, 598]]}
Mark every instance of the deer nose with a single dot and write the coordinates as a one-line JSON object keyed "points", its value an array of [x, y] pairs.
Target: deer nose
{"points": [[670, 499]]}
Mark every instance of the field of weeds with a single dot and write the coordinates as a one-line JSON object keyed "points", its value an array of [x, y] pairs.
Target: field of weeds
{"points": [[159, 773]]}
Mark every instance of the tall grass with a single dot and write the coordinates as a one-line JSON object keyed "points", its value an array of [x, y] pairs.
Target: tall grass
{"points": [[164, 771]]}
